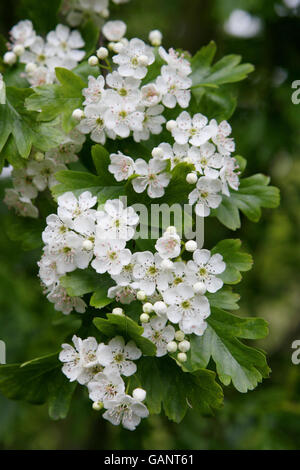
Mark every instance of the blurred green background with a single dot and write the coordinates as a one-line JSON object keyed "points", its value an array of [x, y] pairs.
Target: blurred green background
{"points": [[266, 127]]}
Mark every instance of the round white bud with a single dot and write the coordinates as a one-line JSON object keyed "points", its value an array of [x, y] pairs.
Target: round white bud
{"points": [[171, 125], [97, 405], [191, 246], [179, 335], [191, 178], [171, 229], [143, 60], [199, 288], [77, 114], [181, 357], [157, 152], [118, 311], [30, 68], [184, 346], [118, 47], [105, 13], [102, 53], [9, 58], [160, 308], [144, 318], [39, 156], [155, 37], [87, 245], [167, 264], [111, 45], [147, 307], [139, 394], [18, 49], [141, 295], [93, 61], [172, 347]]}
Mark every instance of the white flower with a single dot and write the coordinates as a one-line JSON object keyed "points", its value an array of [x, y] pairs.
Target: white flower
{"points": [[93, 123], [48, 270], [151, 176], [23, 33], [123, 294], [152, 123], [159, 334], [206, 195], [71, 254], [64, 303], [187, 309], [67, 151], [176, 61], [128, 59], [127, 88], [149, 273], [205, 267], [116, 222], [174, 88], [55, 232], [43, 173], [118, 357], [111, 256], [23, 183], [106, 386], [80, 363], [225, 144], [121, 166], [66, 44], [175, 154], [127, 411], [121, 116], [206, 161], [95, 90], [150, 95], [168, 246], [114, 30], [21, 204], [229, 176], [70, 207], [194, 130]]}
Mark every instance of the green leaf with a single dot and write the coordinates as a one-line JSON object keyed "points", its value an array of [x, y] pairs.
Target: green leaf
{"points": [[126, 327], [25, 230], [23, 126], [236, 261], [52, 101], [253, 194], [76, 181], [170, 388], [101, 161], [90, 34], [224, 298], [44, 18], [38, 381], [236, 362]]}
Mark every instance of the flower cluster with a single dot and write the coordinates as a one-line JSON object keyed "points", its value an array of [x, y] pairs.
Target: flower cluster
{"points": [[62, 48], [38, 174], [119, 104], [205, 145], [77, 10], [100, 368]]}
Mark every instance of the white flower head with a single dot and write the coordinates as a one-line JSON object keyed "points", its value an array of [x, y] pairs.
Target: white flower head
{"points": [[159, 334], [168, 246], [205, 268], [176, 61], [111, 256], [114, 30], [21, 204], [125, 410], [121, 166], [118, 356], [196, 130], [23, 33], [116, 221], [127, 88], [149, 273], [152, 123], [106, 386], [229, 175], [43, 173], [151, 176], [95, 90], [129, 59], [66, 44], [174, 88], [207, 196]]}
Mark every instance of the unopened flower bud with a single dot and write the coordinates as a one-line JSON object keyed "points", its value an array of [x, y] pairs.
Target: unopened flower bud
{"points": [[93, 61], [155, 37], [157, 152], [87, 245], [97, 405], [9, 58], [141, 295], [39, 156], [102, 53], [184, 346], [105, 13], [172, 347], [143, 60], [179, 335], [18, 50], [181, 357], [171, 125], [191, 246], [160, 308], [118, 311], [147, 307], [144, 318], [139, 394], [30, 68], [191, 178], [171, 229], [77, 114], [199, 288], [118, 47]]}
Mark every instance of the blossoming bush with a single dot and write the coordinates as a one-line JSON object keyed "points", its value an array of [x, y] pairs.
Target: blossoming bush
{"points": [[89, 137]]}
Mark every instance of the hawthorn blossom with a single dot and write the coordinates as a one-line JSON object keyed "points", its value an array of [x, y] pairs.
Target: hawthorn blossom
{"points": [[73, 210], [174, 88], [121, 116], [159, 334], [23, 183], [176, 154], [116, 222], [127, 88], [128, 59], [123, 294], [224, 144], [118, 356], [71, 254], [66, 45], [121, 166], [67, 151], [21, 204], [169, 245], [93, 123], [80, 362], [43, 173], [95, 90], [150, 95], [187, 309], [149, 274], [125, 410], [205, 267], [176, 61], [206, 195], [151, 176], [206, 161], [111, 256], [64, 303], [229, 175], [23, 33], [106, 386], [152, 123], [114, 30], [196, 130]]}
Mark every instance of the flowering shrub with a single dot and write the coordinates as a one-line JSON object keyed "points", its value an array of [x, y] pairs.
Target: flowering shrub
{"points": [[91, 139]]}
